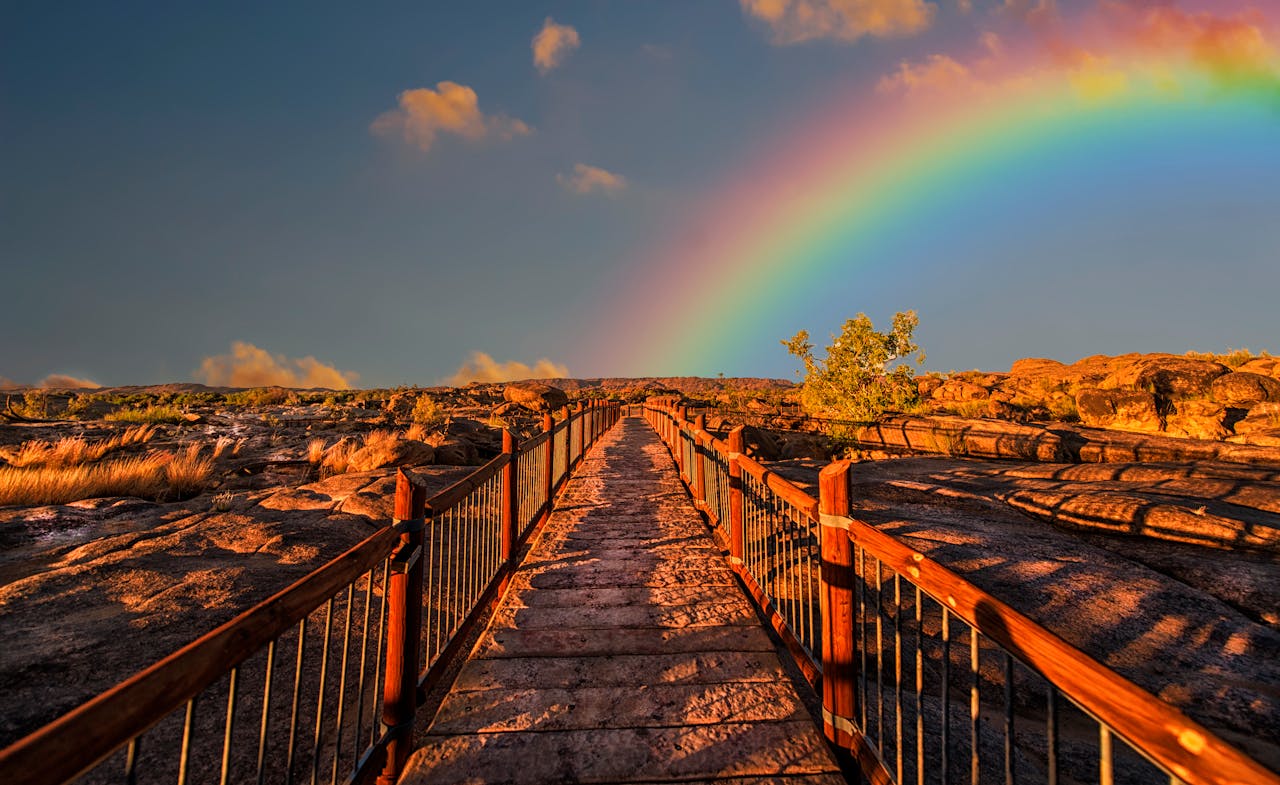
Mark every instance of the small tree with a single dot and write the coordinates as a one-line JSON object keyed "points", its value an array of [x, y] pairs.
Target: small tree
{"points": [[853, 381]]}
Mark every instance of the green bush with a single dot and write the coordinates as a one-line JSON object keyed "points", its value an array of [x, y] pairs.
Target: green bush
{"points": [[152, 414], [853, 381]]}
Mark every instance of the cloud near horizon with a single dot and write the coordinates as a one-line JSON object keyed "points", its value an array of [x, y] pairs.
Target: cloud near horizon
{"points": [[586, 179], [249, 366], [63, 381], [796, 21], [481, 367], [552, 45], [423, 114]]}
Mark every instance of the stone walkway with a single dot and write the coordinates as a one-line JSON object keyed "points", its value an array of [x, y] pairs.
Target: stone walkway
{"points": [[624, 652]]}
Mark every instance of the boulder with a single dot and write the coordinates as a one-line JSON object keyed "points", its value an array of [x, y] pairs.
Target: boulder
{"points": [[760, 444], [456, 451], [1263, 366], [401, 452], [925, 385], [1168, 376], [1037, 367], [1243, 388], [535, 396], [960, 390], [1126, 410], [805, 446], [1261, 438], [1261, 417], [1196, 419]]}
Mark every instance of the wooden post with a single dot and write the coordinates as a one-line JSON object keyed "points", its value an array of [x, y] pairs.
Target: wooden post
{"points": [[582, 431], [839, 646], [699, 463], [510, 502], [548, 457], [404, 627], [737, 534]]}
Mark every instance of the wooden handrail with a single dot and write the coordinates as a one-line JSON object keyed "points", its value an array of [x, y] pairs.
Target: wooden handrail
{"points": [[462, 488], [80, 739]]}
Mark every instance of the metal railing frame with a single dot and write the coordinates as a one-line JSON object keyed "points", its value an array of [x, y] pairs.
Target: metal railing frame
{"points": [[868, 657], [491, 514]]}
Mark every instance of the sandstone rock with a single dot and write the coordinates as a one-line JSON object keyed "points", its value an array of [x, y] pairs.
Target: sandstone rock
{"points": [[760, 444], [456, 451], [1259, 438], [1244, 388], [535, 396], [1168, 376], [505, 409], [805, 446], [1036, 366], [1263, 366], [960, 390], [1196, 419], [1131, 411], [401, 452], [925, 385], [1261, 417], [759, 406]]}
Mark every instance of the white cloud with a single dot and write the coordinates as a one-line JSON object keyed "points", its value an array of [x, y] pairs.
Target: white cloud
{"points": [[587, 179]]}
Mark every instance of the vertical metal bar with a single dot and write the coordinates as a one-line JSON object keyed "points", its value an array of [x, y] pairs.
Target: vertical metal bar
{"points": [[188, 725], [861, 586], [1051, 733], [266, 710], [946, 696], [1008, 720], [364, 651], [378, 661], [879, 656], [342, 688], [324, 673], [297, 692], [973, 706], [919, 689], [230, 726], [897, 671], [131, 761], [1106, 771]]}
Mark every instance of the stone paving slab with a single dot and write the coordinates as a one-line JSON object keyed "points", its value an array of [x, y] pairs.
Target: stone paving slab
{"points": [[624, 652]]}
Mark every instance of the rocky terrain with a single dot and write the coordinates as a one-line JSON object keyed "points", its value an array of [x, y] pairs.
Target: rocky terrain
{"points": [[1142, 492]]}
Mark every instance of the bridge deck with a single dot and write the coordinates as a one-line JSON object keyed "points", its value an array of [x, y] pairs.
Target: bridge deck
{"points": [[624, 652]]}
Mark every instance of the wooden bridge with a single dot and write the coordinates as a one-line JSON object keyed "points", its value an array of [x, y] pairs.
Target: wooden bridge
{"points": [[628, 599]]}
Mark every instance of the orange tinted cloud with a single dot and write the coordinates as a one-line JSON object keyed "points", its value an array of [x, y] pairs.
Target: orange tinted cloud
{"points": [[64, 382], [1232, 45], [794, 21], [938, 72], [586, 179], [451, 108], [249, 366], [552, 45], [483, 368]]}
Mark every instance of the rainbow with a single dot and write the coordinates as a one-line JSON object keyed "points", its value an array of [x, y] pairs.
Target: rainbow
{"points": [[816, 202]]}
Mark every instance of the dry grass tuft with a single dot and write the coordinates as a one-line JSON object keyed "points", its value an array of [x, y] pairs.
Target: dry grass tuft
{"points": [[416, 432], [74, 451], [337, 459], [315, 451], [151, 414], [381, 438], [157, 475]]}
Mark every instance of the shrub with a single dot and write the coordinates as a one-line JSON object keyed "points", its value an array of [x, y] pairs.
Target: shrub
{"points": [[427, 412], [151, 414], [853, 381], [258, 396]]}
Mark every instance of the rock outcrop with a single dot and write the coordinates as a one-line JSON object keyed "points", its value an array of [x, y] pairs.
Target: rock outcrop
{"points": [[535, 396]]}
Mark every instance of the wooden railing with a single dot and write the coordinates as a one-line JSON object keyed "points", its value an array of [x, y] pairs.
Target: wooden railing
{"points": [[321, 681], [924, 677]]}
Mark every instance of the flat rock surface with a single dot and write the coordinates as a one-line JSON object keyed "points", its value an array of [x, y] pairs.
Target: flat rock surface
{"points": [[624, 652]]}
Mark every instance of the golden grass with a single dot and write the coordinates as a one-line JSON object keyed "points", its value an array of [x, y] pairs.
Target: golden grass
{"points": [[156, 475], [224, 443], [337, 460], [73, 451], [151, 414], [380, 437], [315, 451], [416, 432]]}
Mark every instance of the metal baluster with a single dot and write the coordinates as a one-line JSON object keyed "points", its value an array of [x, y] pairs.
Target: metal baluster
{"points": [[364, 651], [1051, 733], [266, 710], [1008, 720], [375, 708], [230, 726], [131, 761], [973, 706], [919, 688], [297, 692], [860, 588], [946, 695], [324, 673], [1106, 771], [188, 725], [897, 670], [879, 659], [342, 687]]}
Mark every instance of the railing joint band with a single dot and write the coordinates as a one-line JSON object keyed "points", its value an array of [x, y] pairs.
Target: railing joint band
{"points": [[842, 522], [839, 723], [403, 562], [409, 525]]}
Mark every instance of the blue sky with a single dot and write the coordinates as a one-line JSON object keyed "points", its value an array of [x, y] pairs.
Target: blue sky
{"points": [[178, 177]]}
